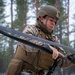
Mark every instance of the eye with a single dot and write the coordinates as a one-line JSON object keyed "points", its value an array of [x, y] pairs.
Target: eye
{"points": [[52, 20]]}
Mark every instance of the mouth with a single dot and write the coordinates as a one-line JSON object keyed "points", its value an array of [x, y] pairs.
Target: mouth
{"points": [[51, 26]]}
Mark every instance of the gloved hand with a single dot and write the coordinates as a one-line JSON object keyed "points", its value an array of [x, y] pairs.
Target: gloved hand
{"points": [[71, 58]]}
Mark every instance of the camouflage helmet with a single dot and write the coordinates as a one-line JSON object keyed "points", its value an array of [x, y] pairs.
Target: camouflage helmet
{"points": [[50, 11]]}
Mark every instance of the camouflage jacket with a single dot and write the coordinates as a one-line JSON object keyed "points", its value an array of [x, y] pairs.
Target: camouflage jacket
{"points": [[41, 60]]}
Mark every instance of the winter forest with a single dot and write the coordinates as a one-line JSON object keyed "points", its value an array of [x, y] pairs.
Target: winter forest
{"points": [[24, 12]]}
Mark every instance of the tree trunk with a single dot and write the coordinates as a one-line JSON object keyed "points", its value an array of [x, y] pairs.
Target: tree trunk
{"points": [[58, 5], [67, 22], [11, 41], [37, 4]]}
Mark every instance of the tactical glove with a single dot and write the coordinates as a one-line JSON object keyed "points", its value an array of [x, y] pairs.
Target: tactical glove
{"points": [[71, 58]]}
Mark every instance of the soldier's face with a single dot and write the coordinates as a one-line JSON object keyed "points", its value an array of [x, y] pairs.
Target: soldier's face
{"points": [[49, 22]]}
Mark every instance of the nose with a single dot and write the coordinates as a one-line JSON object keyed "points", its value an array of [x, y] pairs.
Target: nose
{"points": [[53, 23]]}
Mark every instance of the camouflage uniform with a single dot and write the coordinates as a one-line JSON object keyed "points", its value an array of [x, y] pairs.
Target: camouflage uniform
{"points": [[30, 59]]}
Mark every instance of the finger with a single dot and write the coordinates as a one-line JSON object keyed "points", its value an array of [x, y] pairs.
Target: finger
{"points": [[55, 55], [61, 54]]}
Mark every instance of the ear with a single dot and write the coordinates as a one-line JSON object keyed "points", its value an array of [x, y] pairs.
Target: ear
{"points": [[41, 18]]}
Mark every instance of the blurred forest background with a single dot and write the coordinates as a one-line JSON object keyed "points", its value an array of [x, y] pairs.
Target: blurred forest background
{"points": [[21, 11]]}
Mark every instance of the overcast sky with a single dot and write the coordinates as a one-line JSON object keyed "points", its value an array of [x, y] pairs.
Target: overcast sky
{"points": [[72, 10], [71, 20]]}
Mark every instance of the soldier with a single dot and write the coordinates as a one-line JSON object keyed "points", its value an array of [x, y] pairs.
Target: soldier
{"points": [[30, 59]]}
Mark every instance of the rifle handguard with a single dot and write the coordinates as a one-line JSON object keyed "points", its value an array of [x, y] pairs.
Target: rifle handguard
{"points": [[71, 58], [47, 48]]}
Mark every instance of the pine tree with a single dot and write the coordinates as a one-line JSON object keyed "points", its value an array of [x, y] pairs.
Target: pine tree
{"points": [[21, 16]]}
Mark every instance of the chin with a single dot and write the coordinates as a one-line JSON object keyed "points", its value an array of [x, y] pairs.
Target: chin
{"points": [[50, 30]]}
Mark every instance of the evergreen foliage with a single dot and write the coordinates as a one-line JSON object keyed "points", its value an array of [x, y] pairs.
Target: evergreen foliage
{"points": [[23, 7]]}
